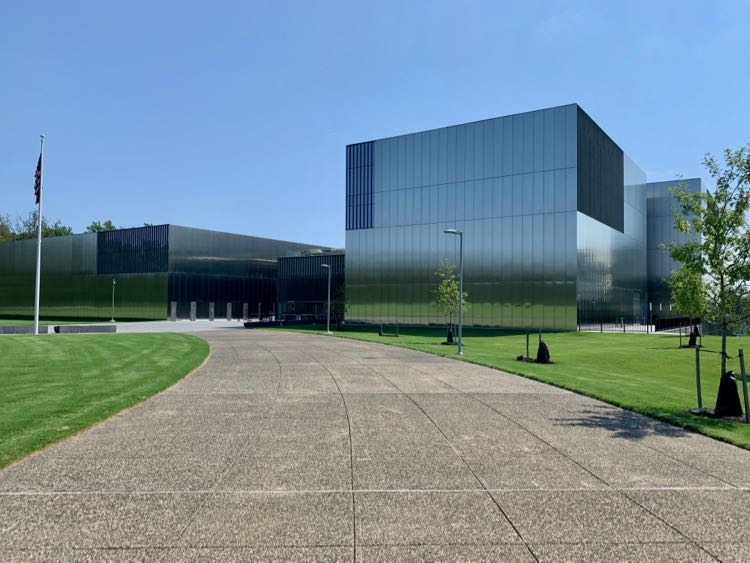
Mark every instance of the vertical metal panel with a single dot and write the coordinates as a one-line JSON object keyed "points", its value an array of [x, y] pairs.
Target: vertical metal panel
{"points": [[360, 184], [137, 250]]}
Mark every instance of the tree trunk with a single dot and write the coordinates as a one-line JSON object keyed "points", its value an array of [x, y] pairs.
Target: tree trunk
{"points": [[724, 327]]}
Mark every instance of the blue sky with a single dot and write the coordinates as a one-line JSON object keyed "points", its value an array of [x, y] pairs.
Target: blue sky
{"points": [[235, 115]]}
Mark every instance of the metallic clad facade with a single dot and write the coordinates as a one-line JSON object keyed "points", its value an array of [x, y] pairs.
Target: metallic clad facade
{"points": [[302, 285], [600, 174], [510, 184], [70, 284], [136, 250], [553, 215], [212, 266], [151, 266], [661, 233], [359, 186], [611, 263]]}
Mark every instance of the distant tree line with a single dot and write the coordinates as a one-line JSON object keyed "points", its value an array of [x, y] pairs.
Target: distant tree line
{"points": [[315, 251], [24, 227]]}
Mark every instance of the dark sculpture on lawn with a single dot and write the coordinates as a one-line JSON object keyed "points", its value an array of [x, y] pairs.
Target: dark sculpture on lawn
{"points": [[542, 353], [728, 399]]}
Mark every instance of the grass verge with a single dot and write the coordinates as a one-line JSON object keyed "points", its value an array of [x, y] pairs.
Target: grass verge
{"points": [[649, 374], [54, 386], [13, 322]]}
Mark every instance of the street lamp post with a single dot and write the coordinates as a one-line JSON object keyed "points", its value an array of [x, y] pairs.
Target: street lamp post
{"points": [[328, 310], [114, 283], [460, 285]]}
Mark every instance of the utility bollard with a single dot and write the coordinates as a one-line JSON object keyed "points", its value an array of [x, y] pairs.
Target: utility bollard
{"points": [[744, 384]]}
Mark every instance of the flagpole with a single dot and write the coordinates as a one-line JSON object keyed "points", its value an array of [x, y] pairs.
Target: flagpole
{"points": [[39, 237]]}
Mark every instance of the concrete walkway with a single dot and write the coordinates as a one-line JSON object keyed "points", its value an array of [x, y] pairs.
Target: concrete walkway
{"points": [[295, 447], [200, 325]]}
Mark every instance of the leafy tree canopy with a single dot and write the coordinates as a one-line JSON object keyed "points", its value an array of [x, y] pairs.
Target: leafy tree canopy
{"points": [[688, 293], [719, 251], [25, 227], [99, 227]]}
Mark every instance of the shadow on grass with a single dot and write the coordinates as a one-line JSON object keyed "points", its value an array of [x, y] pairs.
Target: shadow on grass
{"points": [[622, 424], [431, 331]]}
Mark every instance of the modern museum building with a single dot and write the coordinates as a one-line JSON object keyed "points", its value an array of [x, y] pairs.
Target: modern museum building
{"points": [[560, 228], [143, 273]]}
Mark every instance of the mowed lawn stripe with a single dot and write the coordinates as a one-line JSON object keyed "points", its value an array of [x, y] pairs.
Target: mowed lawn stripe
{"points": [[53, 386]]}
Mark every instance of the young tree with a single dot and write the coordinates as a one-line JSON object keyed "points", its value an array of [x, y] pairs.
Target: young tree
{"points": [[720, 251], [446, 294], [688, 293]]}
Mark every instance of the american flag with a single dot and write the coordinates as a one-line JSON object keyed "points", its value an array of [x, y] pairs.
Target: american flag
{"points": [[38, 180]]}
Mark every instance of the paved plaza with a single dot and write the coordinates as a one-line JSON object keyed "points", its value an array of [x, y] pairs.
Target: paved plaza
{"points": [[287, 446]]}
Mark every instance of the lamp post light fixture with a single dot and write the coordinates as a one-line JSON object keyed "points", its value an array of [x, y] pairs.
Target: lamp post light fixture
{"points": [[114, 283], [328, 310], [460, 285]]}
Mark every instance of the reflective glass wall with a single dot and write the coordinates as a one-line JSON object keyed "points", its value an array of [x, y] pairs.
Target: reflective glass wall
{"points": [[509, 184], [661, 209]]}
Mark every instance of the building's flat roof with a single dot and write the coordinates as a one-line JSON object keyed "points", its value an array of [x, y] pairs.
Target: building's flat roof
{"points": [[469, 123]]}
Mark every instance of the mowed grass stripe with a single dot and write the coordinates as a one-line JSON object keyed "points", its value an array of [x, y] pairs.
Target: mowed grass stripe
{"points": [[645, 373], [53, 386]]}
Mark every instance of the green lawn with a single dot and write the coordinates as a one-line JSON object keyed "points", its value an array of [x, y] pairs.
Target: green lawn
{"points": [[9, 322], [649, 374], [54, 386]]}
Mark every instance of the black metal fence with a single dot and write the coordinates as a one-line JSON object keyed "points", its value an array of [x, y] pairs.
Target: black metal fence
{"points": [[617, 326], [675, 325]]}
